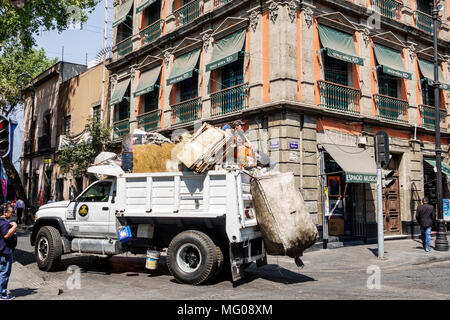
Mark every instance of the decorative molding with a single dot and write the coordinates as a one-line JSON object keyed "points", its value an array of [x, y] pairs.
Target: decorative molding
{"points": [[116, 3], [292, 10], [273, 11], [133, 71], [254, 18], [412, 51], [366, 36], [206, 41], [167, 57], [309, 16]]}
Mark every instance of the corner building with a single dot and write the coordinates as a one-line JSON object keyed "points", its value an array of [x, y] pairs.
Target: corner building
{"points": [[314, 82]]}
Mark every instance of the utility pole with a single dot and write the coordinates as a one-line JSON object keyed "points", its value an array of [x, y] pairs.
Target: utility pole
{"points": [[105, 43], [441, 242], [382, 159]]}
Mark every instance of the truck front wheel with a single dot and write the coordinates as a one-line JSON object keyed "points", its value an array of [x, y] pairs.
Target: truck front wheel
{"points": [[193, 258], [48, 248]]}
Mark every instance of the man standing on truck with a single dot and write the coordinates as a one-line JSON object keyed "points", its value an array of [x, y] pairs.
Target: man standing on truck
{"points": [[8, 242], [244, 150]]}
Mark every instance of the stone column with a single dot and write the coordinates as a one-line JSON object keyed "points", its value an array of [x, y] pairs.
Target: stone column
{"points": [[255, 57], [283, 50], [411, 85], [365, 72], [133, 100], [206, 84], [167, 115], [136, 37], [308, 54]]}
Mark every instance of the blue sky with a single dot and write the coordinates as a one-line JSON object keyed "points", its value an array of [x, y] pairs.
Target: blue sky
{"points": [[77, 43]]}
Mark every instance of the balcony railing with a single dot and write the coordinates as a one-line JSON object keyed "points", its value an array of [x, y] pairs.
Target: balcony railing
{"points": [[121, 128], [43, 143], [218, 3], [149, 121], [152, 32], [390, 108], [424, 22], [229, 100], [339, 97], [188, 12], [187, 111], [427, 114], [387, 8], [124, 47]]}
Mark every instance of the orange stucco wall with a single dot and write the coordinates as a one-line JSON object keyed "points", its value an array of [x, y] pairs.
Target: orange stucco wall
{"points": [[317, 62], [327, 124], [266, 56]]}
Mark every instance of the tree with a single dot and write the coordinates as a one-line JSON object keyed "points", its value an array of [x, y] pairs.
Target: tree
{"points": [[15, 61], [77, 158], [40, 15]]}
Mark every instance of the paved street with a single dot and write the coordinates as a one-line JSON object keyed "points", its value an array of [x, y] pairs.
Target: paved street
{"points": [[407, 273]]}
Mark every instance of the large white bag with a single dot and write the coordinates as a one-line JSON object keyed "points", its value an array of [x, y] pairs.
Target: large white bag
{"points": [[285, 223]]}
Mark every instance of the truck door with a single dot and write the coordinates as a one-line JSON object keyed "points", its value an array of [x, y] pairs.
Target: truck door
{"points": [[91, 210]]}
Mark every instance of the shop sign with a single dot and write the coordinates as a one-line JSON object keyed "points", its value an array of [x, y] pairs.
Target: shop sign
{"points": [[293, 156], [327, 203], [446, 209], [274, 144], [293, 144], [360, 178], [48, 161]]}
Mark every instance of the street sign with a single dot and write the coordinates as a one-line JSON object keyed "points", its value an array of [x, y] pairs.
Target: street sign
{"points": [[382, 149]]}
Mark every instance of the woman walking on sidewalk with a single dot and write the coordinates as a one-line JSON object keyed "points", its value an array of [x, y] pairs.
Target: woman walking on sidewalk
{"points": [[8, 242], [425, 215]]}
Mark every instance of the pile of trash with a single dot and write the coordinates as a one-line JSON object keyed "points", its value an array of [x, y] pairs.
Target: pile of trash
{"points": [[286, 226]]}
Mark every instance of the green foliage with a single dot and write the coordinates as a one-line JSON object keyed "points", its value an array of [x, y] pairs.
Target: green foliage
{"points": [[77, 158], [15, 61], [37, 16]]}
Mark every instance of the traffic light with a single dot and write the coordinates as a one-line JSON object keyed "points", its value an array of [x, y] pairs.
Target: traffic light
{"points": [[382, 149], [4, 136]]}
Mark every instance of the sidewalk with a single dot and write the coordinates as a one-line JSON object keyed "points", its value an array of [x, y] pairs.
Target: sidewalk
{"points": [[398, 253]]}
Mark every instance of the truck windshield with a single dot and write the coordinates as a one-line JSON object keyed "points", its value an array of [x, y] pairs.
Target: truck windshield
{"points": [[99, 192]]}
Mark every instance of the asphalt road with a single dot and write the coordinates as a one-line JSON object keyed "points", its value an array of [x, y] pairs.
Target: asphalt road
{"points": [[125, 277]]}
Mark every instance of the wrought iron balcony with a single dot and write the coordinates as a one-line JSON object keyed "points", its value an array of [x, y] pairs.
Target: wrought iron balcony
{"points": [[151, 32], [186, 111], [121, 128], [229, 100], [44, 143], [149, 121], [124, 47], [339, 97], [387, 8], [390, 108], [427, 116], [218, 3], [188, 12], [424, 21]]}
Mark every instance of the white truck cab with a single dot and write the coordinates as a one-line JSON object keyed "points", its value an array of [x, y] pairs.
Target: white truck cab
{"points": [[202, 219]]}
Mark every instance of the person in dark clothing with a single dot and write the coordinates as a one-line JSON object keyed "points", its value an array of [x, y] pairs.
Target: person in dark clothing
{"points": [[425, 216], [8, 242]]}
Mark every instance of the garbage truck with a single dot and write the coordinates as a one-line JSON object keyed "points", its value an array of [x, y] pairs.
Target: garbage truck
{"points": [[203, 220]]}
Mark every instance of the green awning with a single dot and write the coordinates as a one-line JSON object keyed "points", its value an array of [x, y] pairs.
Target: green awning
{"points": [[391, 61], [226, 50], [427, 69], [147, 81], [122, 12], [119, 92], [358, 165], [339, 45], [144, 4], [183, 67], [444, 167]]}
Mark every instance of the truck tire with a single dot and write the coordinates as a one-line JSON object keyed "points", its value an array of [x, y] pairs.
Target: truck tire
{"points": [[193, 258], [48, 248]]}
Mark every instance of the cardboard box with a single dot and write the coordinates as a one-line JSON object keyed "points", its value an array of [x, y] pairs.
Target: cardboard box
{"points": [[336, 226]]}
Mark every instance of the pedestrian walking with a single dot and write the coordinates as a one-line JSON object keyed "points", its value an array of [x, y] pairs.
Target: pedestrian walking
{"points": [[8, 242], [50, 199], [425, 216], [20, 206]]}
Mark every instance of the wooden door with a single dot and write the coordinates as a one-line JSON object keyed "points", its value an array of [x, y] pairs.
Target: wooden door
{"points": [[391, 200]]}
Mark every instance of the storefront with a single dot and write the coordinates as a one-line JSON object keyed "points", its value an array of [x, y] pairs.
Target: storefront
{"points": [[429, 177], [346, 173]]}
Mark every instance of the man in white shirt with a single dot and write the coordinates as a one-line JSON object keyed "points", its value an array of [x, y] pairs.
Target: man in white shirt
{"points": [[20, 205]]}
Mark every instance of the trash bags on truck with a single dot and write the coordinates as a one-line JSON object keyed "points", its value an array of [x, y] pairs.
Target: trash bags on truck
{"points": [[285, 223]]}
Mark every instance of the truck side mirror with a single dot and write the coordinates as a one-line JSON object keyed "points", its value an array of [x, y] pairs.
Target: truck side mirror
{"points": [[113, 199]]}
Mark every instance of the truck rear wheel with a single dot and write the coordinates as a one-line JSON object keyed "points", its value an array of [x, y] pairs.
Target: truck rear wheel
{"points": [[193, 258], [48, 248]]}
